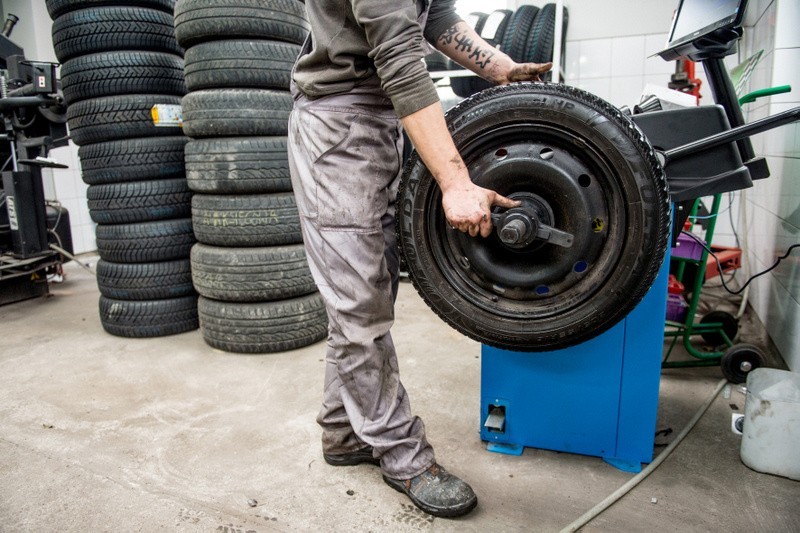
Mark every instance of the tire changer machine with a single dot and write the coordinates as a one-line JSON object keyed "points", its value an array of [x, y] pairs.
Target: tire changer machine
{"points": [[34, 121], [595, 393]]}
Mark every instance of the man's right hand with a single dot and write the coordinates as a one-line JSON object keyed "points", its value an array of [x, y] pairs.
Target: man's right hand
{"points": [[467, 207]]}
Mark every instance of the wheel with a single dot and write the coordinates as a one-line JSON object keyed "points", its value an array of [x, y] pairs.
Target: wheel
{"points": [[139, 201], [118, 117], [145, 242], [105, 29], [246, 220], [129, 72], [133, 160], [230, 112], [198, 21], [242, 64], [145, 281], [728, 323], [263, 327], [238, 165], [148, 318], [582, 249], [739, 360]]}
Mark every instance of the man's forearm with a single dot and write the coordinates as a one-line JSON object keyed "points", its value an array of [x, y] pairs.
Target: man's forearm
{"points": [[428, 132], [462, 44]]}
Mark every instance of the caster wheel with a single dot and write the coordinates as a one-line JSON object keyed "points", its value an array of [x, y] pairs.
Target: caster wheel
{"points": [[739, 360], [730, 326]]}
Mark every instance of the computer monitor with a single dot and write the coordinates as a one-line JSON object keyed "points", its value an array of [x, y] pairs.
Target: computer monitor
{"points": [[699, 24]]}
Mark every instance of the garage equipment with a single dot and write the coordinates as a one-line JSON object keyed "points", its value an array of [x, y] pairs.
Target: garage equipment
{"points": [[34, 122], [558, 294]]}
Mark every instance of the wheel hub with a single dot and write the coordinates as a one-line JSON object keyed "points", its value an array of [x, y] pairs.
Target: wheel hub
{"points": [[529, 226]]}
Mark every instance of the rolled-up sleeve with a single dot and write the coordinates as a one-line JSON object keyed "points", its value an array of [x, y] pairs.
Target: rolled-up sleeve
{"points": [[395, 38]]}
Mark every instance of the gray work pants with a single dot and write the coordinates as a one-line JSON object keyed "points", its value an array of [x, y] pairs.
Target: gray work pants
{"points": [[345, 157]]}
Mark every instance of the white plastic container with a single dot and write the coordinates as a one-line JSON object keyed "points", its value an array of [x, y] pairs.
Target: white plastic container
{"points": [[771, 433]]}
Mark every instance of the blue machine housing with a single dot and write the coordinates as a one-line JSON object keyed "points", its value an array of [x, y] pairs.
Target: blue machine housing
{"points": [[598, 398]]}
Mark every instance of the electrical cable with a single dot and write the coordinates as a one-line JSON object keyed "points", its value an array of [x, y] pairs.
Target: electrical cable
{"points": [[67, 254], [745, 256], [592, 513], [719, 265]]}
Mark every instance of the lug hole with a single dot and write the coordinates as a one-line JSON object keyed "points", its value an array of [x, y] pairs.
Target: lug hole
{"points": [[580, 267], [584, 180], [546, 154], [541, 290], [501, 154], [598, 224]]}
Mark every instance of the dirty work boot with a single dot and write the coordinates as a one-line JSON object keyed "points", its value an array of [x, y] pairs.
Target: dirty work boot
{"points": [[364, 455], [437, 492]]}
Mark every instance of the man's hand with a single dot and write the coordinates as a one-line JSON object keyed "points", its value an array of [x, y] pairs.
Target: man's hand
{"points": [[525, 72], [467, 207]]}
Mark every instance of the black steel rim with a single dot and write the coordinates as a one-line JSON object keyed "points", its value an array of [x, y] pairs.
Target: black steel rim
{"points": [[580, 191]]}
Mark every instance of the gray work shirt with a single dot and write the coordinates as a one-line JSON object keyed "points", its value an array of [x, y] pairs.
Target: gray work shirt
{"points": [[373, 43]]}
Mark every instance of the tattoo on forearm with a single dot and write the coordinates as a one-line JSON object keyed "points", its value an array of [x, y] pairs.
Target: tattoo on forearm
{"points": [[448, 35], [482, 57], [462, 42]]}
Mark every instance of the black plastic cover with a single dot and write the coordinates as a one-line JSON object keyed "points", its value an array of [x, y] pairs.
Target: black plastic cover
{"points": [[706, 173]]}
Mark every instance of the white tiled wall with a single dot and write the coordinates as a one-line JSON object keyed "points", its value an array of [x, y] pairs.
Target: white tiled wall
{"points": [[67, 187], [773, 205]]}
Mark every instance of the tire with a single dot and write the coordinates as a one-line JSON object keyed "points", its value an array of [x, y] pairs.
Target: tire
{"points": [[232, 112], [515, 38], [118, 117], [56, 8], [466, 87], [596, 178], [739, 360], [494, 27], [238, 165], [253, 220], [145, 242], [145, 281], [539, 46], [133, 160], [475, 20], [240, 64], [728, 324], [139, 201], [149, 318], [105, 29], [198, 21], [251, 274], [113, 73], [263, 327]]}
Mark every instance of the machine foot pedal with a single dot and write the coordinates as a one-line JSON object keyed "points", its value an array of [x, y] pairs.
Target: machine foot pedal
{"points": [[506, 449]]}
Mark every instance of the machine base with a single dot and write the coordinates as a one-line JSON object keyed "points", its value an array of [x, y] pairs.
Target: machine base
{"points": [[598, 398]]}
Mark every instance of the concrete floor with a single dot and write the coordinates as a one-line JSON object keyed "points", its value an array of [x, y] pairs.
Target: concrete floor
{"points": [[105, 433]]}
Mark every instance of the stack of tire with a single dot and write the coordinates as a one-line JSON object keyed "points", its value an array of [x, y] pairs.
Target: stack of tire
{"points": [[249, 267], [119, 60], [526, 35]]}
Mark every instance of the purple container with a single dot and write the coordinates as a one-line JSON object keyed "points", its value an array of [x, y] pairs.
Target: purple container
{"points": [[676, 308], [687, 247]]}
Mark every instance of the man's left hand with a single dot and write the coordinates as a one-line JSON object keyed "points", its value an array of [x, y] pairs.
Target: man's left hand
{"points": [[525, 72]]}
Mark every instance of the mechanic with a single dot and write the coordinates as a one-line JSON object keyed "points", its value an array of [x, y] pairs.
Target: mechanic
{"points": [[359, 79]]}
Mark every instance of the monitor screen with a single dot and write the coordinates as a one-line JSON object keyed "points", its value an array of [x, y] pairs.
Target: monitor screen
{"points": [[696, 18]]}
